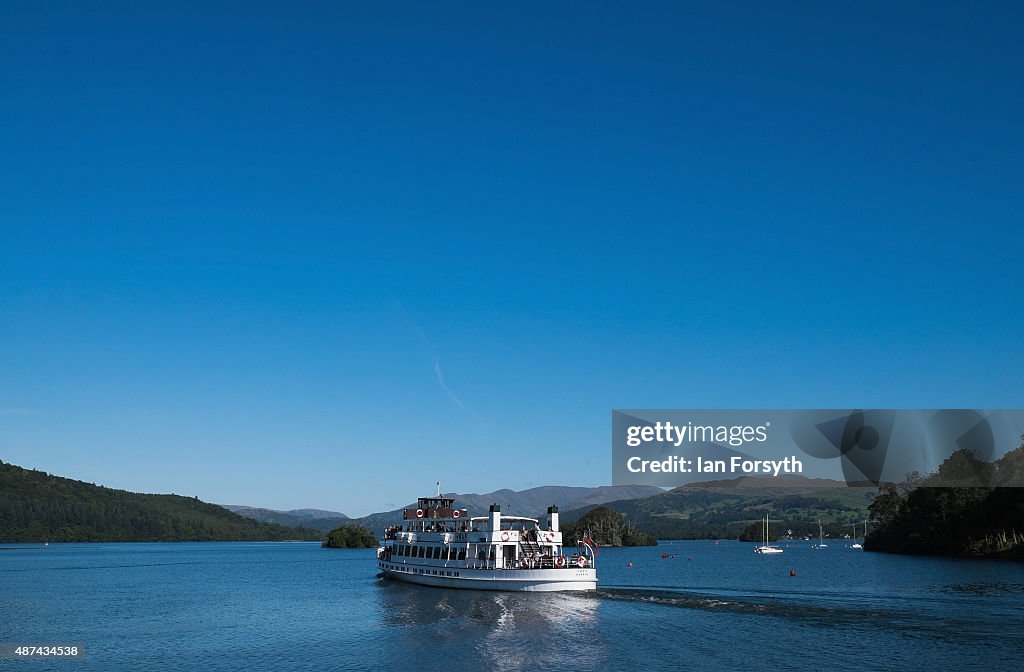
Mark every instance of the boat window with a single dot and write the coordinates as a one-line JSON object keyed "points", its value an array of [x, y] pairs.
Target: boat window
{"points": [[421, 552], [462, 554]]}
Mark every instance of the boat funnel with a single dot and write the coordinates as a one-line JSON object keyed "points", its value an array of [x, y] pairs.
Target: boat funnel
{"points": [[553, 518], [495, 517]]}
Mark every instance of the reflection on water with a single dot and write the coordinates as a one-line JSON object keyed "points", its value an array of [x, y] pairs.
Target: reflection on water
{"points": [[502, 631]]}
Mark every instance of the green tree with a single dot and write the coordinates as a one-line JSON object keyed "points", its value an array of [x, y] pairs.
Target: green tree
{"points": [[886, 506], [350, 535], [607, 528], [1010, 468], [964, 469]]}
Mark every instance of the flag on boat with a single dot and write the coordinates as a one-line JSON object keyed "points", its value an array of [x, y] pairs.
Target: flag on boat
{"points": [[590, 543]]}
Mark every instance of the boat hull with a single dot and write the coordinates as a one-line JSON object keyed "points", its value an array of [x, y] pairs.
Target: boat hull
{"points": [[516, 580]]}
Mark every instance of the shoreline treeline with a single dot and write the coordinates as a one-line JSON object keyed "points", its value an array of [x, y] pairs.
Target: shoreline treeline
{"points": [[968, 507]]}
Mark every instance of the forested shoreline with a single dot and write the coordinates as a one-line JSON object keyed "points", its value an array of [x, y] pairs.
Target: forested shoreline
{"points": [[968, 507], [38, 507]]}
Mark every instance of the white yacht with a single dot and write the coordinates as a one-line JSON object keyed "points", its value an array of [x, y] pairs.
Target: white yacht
{"points": [[438, 545], [821, 538], [857, 544], [766, 548]]}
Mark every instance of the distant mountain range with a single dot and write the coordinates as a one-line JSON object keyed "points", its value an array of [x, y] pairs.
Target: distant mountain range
{"points": [[35, 506], [710, 509], [317, 519], [535, 501], [532, 503], [723, 509]]}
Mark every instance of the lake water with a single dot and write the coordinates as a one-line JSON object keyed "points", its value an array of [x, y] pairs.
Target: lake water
{"points": [[292, 606]]}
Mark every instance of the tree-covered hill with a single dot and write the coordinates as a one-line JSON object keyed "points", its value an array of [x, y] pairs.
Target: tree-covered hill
{"points": [[967, 507], [724, 509], [35, 507]]}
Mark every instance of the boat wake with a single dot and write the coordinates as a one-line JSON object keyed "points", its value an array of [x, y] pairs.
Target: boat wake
{"points": [[740, 604], [905, 619]]}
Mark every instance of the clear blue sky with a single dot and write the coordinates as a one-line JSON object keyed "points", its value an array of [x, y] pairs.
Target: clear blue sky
{"points": [[326, 254]]}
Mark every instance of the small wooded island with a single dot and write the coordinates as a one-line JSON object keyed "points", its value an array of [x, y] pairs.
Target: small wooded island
{"points": [[607, 528], [350, 535]]}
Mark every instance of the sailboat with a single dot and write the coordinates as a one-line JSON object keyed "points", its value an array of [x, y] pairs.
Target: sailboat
{"points": [[856, 544], [767, 548], [821, 537]]}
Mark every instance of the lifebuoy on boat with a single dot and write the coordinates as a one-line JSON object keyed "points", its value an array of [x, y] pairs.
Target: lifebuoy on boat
{"points": [[456, 514], [581, 561], [504, 536], [560, 561], [419, 513]]}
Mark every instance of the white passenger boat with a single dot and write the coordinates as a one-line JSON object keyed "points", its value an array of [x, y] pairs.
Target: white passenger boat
{"points": [[439, 545]]}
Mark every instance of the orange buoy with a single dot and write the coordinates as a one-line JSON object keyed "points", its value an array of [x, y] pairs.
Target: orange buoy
{"points": [[629, 564], [792, 572]]}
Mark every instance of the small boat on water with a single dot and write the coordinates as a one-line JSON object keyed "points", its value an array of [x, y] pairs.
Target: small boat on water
{"points": [[439, 545], [821, 538], [857, 544], [766, 548]]}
